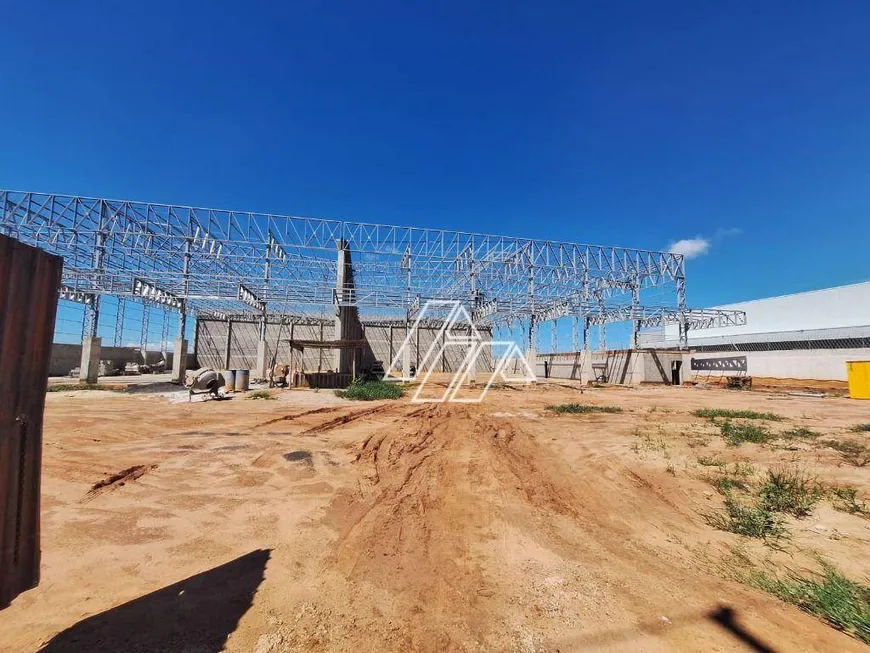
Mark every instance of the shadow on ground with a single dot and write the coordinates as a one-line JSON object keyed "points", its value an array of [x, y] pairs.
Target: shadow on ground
{"points": [[726, 617], [195, 615]]}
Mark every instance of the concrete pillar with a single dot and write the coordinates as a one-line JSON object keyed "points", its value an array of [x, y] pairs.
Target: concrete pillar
{"points": [[262, 360], [586, 374], [229, 348], [406, 361], [472, 368], [179, 360], [346, 317], [532, 353], [90, 365], [319, 351]]}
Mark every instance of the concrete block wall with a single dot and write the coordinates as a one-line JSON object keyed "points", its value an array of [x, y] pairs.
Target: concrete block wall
{"points": [[383, 342], [620, 366], [629, 367], [657, 366], [65, 357]]}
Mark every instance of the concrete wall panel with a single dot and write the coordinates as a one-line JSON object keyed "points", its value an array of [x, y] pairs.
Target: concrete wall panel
{"points": [[810, 364], [384, 343]]}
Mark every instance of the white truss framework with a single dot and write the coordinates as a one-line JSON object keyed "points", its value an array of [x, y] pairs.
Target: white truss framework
{"points": [[204, 256]]}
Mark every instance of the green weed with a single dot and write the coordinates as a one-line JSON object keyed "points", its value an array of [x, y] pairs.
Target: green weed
{"points": [[726, 484], [798, 433], [790, 492], [737, 433], [713, 413], [361, 390], [68, 387], [732, 478], [845, 499], [751, 521], [854, 453], [742, 468], [829, 595], [584, 408], [260, 394]]}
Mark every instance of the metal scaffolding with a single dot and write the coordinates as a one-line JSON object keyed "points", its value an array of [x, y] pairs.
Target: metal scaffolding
{"points": [[220, 263]]}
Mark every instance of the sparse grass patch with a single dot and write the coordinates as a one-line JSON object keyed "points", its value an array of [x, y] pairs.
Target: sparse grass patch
{"points": [[854, 453], [576, 409], [361, 390], [831, 596], [743, 469], [260, 394], [751, 521], [737, 433], [671, 470], [845, 499], [713, 413], [725, 484], [710, 461], [645, 442], [790, 491], [67, 387], [734, 478], [659, 409], [798, 433], [861, 428]]}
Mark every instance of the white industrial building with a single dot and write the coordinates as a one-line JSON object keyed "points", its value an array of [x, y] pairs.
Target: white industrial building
{"points": [[808, 335]]}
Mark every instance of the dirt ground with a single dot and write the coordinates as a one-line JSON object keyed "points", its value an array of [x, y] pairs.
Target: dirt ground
{"points": [[315, 524]]}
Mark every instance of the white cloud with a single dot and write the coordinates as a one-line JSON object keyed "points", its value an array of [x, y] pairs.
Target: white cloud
{"points": [[690, 247]]}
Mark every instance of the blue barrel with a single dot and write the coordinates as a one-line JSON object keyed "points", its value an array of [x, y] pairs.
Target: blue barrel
{"points": [[242, 380], [229, 380]]}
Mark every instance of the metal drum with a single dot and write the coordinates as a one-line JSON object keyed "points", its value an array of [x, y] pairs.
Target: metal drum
{"points": [[229, 380], [242, 379]]}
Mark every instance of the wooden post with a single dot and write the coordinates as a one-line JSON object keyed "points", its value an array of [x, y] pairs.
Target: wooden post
{"points": [[29, 281]]}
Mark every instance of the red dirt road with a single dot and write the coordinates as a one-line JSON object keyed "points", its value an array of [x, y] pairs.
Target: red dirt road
{"points": [[274, 526]]}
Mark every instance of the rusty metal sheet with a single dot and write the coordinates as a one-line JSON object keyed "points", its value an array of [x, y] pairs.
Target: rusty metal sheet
{"points": [[29, 281]]}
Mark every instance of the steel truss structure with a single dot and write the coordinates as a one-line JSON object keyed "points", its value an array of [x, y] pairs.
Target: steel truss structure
{"points": [[234, 264]]}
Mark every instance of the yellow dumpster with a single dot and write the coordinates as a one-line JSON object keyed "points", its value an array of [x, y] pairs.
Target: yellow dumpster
{"points": [[859, 379]]}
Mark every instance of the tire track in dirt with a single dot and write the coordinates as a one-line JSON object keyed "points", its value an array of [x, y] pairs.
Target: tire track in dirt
{"points": [[434, 492], [293, 416], [342, 420], [467, 533], [117, 480]]}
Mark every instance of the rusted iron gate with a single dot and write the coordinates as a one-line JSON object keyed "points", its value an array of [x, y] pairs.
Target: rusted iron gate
{"points": [[29, 281]]}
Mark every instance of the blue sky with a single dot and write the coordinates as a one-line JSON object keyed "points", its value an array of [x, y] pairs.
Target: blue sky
{"points": [[743, 124]]}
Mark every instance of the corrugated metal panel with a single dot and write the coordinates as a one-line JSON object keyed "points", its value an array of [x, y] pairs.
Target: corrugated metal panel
{"points": [[859, 379], [29, 281], [831, 308]]}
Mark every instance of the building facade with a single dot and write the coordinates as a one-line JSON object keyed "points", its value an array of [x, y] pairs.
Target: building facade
{"points": [[808, 335]]}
